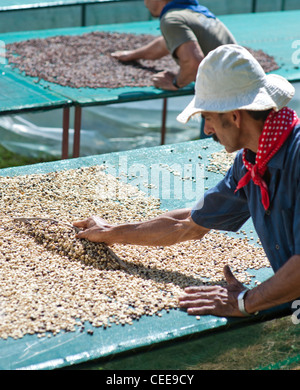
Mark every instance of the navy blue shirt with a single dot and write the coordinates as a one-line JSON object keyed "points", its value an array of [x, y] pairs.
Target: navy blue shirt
{"points": [[279, 227]]}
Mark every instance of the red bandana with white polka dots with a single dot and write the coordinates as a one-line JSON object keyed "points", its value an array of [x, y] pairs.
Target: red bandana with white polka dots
{"points": [[277, 128]]}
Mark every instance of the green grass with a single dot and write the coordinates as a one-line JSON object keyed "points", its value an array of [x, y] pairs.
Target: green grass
{"points": [[272, 345], [9, 159]]}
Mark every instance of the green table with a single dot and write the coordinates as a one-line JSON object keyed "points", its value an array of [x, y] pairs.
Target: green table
{"points": [[11, 5], [83, 97], [20, 95], [68, 349], [256, 30]]}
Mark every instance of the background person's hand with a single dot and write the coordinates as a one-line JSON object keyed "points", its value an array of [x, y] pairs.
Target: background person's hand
{"points": [[164, 80], [124, 55]]}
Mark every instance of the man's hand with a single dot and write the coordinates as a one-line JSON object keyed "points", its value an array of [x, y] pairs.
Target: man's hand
{"points": [[164, 80], [95, 229], [124, 55], [214, 300], [152, 51], [166, 229]]}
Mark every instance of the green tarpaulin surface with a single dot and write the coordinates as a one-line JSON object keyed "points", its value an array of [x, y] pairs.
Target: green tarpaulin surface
{"points": [[19, 94], [90, 96], [257, 31], [67, 349]]}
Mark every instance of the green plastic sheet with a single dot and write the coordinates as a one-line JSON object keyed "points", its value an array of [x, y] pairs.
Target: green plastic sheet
{"points": [[257, 31], [18, 94], [98, 96], [69, 349], [276, 33]]}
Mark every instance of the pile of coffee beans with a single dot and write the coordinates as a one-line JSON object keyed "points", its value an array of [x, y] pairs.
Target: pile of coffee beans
{"points": [[85, 61]]}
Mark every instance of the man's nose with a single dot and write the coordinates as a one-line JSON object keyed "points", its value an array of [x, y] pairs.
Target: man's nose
{"points": [[208, 130]]}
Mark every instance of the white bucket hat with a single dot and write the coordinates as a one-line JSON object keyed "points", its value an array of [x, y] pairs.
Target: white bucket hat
{"points": [[230, 78]]}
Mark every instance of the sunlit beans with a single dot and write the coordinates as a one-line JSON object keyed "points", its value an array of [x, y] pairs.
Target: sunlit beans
{"points": [[52, 282]]}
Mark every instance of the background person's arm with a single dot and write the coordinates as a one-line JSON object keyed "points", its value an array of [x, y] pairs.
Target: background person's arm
{"points": [[189, 57], [152, 51]]}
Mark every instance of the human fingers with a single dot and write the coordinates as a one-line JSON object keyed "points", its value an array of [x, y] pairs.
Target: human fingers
{"points": [[83, 224], [163, 80], [116, 54], [121, 55], [218, 302], [161, 83], [196, 305], [89, 222], [198, 295], [93, 234], [204, 309], [194, 295], [86, 223], [198, 289], [163, 75]]}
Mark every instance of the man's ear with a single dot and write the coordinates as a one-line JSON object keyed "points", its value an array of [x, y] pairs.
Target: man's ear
{"points": [[236, 118]]}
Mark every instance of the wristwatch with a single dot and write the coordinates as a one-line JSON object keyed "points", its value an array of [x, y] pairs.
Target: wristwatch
{"points": [[175, 83], [241, 303]]}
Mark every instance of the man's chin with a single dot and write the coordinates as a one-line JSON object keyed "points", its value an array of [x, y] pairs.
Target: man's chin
{"points": [[228, 149], [215, 138]]}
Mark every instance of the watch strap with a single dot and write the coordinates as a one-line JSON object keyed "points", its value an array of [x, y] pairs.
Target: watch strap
{"points": [[241, 302]]}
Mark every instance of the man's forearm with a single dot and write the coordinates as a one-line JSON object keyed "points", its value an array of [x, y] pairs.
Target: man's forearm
{"points": [[189, 55], [281, 288], [168, 229], [152, 51]]}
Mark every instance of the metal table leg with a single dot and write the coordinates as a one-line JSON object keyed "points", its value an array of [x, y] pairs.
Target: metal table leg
{"points": [[65, 137], [77, 127], [164, 120]]}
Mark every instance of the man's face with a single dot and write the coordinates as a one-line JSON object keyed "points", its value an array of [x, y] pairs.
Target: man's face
{"points": [[223, 129]]}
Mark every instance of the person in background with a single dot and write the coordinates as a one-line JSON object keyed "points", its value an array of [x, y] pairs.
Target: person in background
{"points": [[245, 110], [189, 32]]}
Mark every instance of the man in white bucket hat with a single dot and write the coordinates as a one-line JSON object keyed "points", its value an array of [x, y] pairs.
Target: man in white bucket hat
{"points": [[245, 110]]}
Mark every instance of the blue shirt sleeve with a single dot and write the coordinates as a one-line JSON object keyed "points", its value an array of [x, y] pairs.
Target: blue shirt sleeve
{"points": [[221, 208], [296, 225]]}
